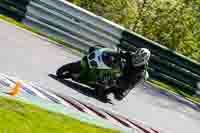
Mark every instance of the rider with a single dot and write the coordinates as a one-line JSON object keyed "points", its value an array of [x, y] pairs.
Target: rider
{"points": [[134, 71]]}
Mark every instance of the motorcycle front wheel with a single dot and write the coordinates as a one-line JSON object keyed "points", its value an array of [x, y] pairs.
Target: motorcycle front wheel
{"points": [[64, 71]]}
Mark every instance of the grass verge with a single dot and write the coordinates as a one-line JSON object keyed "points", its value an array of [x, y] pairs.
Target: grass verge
{"points": [[175, 90], [161, 84], [19, 117]]}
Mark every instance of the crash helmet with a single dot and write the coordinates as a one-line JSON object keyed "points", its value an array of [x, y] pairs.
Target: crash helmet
{"points": [[108, 59], [141, 57]]}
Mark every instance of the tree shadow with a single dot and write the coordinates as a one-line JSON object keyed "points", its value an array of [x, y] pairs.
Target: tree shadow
{"points": [[79, 88]]}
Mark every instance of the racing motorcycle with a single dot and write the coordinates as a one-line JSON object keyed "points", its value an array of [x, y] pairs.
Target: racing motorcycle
{"points": [[99, 69]]}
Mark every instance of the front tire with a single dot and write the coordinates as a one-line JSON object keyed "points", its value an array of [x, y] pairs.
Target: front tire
{"points": [[63, 72]]}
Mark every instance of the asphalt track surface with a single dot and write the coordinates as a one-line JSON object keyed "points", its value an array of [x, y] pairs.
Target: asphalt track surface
{"points": [[33, 58]]}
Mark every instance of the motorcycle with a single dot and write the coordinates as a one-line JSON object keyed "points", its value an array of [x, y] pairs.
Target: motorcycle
{"points": [[95, 71]]}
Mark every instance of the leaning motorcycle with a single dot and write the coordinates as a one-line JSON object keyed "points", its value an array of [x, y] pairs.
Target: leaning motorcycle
{"points": [[94, 70]]}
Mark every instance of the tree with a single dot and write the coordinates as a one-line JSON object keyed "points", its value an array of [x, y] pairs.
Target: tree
{"points": [[172, 23]]}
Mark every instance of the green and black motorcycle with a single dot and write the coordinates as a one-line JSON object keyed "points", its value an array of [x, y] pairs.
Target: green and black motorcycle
{"points": [[100, 69]]}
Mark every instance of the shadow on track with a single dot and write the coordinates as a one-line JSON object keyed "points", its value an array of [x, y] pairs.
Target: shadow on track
{"points": [[78, 87]]}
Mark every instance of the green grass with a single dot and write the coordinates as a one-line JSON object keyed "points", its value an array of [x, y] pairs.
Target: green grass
{"points": [[174, 90], [18, 117]]}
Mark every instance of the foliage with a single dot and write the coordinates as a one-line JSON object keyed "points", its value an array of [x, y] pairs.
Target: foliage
{"points": [[119, 11], [173, 23]]}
